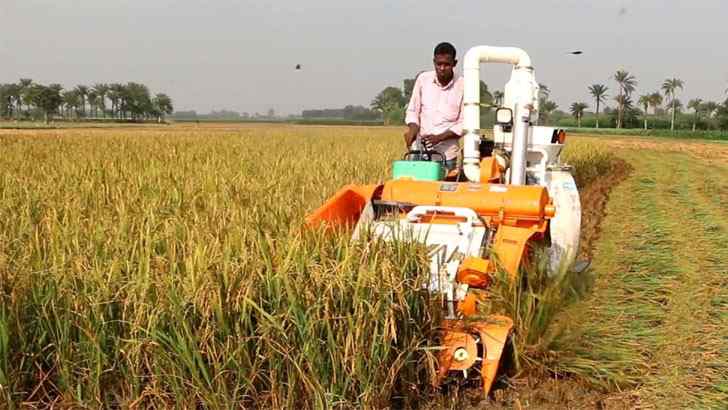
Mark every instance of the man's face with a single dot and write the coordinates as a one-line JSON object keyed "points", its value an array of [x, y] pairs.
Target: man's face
{"points": [[444, 65]]}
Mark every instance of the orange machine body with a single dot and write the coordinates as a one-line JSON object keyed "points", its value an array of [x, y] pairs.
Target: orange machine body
{"points": [[501, 203], [514, 213]]}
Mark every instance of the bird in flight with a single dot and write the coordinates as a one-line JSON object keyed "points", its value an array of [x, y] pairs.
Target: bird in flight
{"points": [[576, 53], [298, 66]]}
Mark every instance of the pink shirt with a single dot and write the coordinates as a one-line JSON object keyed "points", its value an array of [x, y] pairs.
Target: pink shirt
{"points": [[436, 109]]}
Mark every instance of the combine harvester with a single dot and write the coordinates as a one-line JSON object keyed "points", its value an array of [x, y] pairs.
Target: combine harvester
{"points": [[511, 193]]}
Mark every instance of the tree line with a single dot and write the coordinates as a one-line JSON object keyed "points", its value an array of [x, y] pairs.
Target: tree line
{"points": [[633, 111], [391, 102], [28, 100], [350, 112]]}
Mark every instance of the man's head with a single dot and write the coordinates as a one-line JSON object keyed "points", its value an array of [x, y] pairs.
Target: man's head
{"points": [[445, 62]]}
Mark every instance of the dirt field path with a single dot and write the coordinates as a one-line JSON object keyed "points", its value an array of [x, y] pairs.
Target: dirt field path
{"points": [[657, 320]]}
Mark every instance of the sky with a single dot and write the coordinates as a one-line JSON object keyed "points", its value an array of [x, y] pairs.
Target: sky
{"points": [[241, 55]]}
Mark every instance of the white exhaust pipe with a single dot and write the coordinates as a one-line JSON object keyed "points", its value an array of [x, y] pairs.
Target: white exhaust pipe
{"points": [[524, 102]]}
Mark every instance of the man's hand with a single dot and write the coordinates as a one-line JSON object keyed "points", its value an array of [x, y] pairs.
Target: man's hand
{"points": [[411, 134], [433, 140]]}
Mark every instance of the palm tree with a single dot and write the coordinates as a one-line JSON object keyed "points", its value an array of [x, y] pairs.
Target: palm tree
{"points": [[544, 91], [24, 86], [12, 93], [625, 102], [82, 91], [498, 97], [670, 87], [93, 102], [101, 91], [627, 83], [709, 108], [655, 101], [644, 101], [116, 92], [547, 107], [577, 110], [697, 105], [599, 92], [71, 101]]}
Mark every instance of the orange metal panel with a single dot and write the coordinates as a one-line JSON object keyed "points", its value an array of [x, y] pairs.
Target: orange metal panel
{"points": [[475, 272], [500, 202], [344, 208], [490, 171], [510, 245], [493, 333]]}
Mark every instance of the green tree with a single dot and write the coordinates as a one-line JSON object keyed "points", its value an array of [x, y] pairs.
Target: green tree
{"points": [[93, 102], [388, 100], [116, 95], [709, 108], [47, 99], [625, 108], [547, 107], [627, 84], [722, 115], [138, 101], [24, 93], [408, 84], [670, 87], [82, 92], [163, 105], [13, 93], [544, 92], [486, 98], [8, 99], [644, 101], [101, 91], [655, 101], [577, 110], [696, 104], [71, 102], [498, 97], [599, 92]]}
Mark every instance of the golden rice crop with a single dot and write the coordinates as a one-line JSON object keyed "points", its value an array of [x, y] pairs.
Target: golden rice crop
{"points": [[167, 266]]}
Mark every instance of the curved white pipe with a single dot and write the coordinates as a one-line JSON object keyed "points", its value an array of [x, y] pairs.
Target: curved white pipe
{"points": [[471, 98]]}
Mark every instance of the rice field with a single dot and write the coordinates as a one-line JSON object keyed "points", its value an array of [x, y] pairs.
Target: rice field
{"points": [[160, 267]]}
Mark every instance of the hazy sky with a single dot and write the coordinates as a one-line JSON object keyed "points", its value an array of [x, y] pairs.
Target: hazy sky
{"points": [[240, 55]]}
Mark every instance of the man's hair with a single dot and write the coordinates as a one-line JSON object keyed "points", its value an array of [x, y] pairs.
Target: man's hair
{"points": [[445, 48]]}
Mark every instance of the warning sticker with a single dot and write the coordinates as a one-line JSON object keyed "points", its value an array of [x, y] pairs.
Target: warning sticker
{"points": [[448, 187]]}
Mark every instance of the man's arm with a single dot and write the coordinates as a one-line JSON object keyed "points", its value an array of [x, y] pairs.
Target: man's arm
{"points": [[411, 133], [412, 118]]}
